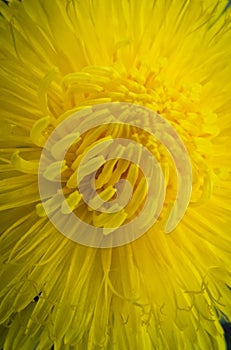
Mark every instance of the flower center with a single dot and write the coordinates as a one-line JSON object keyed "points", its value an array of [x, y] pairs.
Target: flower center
{"points": [[104, 152], [180, 105]]}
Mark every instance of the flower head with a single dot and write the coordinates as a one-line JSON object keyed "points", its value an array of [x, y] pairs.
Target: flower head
{"points": [[159, 291]]}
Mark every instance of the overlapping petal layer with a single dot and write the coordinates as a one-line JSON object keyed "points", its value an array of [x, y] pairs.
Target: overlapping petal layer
{"points": [[160, 291]]}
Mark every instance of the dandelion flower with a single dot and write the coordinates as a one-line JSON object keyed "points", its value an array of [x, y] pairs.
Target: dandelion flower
{"points": [[161, 291]]}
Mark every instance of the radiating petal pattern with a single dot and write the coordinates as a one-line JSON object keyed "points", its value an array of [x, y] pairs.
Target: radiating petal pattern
{"points": [[160, 291]]}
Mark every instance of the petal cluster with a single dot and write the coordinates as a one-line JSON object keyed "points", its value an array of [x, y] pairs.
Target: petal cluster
{"points": [[160, 291]]}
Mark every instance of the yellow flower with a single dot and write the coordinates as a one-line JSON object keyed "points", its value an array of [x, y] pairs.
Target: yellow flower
{"points": [[161, 291]]}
